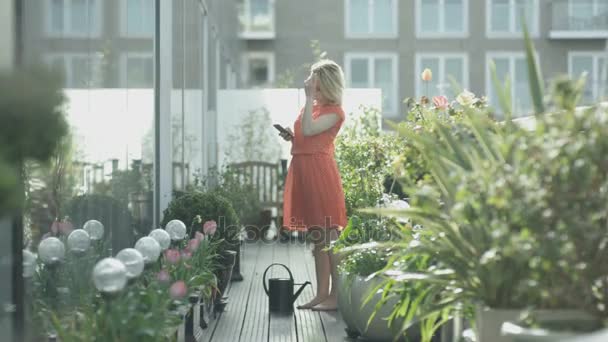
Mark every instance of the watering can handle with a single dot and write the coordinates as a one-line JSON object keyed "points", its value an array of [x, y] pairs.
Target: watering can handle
{"points": [[264, 276]]}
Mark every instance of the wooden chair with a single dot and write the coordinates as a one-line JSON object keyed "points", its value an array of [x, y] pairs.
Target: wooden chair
{"points": [[268, 179]]}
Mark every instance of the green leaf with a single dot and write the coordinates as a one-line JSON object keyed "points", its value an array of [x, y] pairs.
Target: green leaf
{"points": [[503, 92], [534, 74]]}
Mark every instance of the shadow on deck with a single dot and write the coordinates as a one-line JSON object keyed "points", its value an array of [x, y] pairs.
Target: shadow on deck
{"points": [[246, 317]]}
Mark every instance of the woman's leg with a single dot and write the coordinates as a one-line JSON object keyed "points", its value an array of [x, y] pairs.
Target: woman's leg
{"points": [[322, 270], [331, 301]]}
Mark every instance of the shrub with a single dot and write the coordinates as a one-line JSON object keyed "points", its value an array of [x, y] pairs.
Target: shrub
{"points": [[210, 206]]}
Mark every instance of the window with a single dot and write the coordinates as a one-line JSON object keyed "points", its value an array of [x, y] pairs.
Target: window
{"points": [[259, 69], [514, 66], [137, 70], [257, 18], [73, 18], [504, 17], [444, 66], [371, 18], [376, 70], [592, 63], [137, 18], [78, 70], [442, 18]]}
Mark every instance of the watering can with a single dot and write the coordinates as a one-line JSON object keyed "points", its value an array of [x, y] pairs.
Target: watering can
{"points": [[280, 292]]}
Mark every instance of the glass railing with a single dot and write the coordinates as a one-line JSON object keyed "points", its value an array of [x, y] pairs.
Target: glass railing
{"points": [[257, 19], [573, 16]]}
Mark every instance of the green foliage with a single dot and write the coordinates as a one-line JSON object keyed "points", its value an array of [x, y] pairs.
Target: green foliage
{"points": [[364, 156], [29, 129], [364, 262], [243, 197], [254, 139], [210, 206]]}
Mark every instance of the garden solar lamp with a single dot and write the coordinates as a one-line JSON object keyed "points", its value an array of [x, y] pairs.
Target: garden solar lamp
{"points": [[79, 241], [109, 277], [162, 237], [177, 230], [52, 252], [133, 261], [149, 249]]}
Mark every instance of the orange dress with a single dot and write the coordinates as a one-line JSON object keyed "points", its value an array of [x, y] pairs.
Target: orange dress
{"points": [[313, 195]]}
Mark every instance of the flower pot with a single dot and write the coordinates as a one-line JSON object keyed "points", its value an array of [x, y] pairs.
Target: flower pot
{"points": [[227, 260], [489, 322], [236, 271], [347, 310], [377, 329], [557, 325]]}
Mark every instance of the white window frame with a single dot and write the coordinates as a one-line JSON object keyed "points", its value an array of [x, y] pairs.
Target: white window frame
{"points": [[534, 29], [442, 33], [268, 56], [512, 55], [67, 31], [67, 60], [370, 34], [123, 65], [371, 56], [441, 72], [124, 25], [248, 34], [596, 57]]}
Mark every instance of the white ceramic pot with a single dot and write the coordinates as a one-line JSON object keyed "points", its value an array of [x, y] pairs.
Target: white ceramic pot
{"points": [[489, 324], [377, 329], [347, 310]]}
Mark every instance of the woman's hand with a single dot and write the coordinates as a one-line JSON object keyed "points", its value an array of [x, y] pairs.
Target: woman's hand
{"points": [[309, 85], [285, 136]]}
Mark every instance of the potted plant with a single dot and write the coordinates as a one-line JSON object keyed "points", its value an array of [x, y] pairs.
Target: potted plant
{"points": [[516, 219]]}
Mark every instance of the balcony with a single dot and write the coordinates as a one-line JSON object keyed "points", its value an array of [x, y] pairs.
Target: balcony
{"points": [[257, 19], [586, 19]]}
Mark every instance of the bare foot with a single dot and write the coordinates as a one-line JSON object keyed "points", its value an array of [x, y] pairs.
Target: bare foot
{"points": [[313, 302], [330, 304]]}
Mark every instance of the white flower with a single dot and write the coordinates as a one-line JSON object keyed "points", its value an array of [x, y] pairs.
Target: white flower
{"points": [[466, 98]]}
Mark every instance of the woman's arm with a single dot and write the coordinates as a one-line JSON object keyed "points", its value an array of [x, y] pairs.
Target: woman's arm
{"points": [[312, 126]]}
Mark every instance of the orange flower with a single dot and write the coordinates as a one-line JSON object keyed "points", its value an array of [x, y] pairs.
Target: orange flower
{"points": [[427, 75]]}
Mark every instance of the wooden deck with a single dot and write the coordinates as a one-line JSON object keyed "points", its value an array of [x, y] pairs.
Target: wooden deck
{"points": [[246, 317]]}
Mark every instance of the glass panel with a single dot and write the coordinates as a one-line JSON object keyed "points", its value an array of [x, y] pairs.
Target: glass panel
{"points": [[260, 15], [134, 17], [527, 9], [430, 88], [140, 72], [258, 72], [383, 78], [359, 17], [580, 65], [78, 16], [454, 16], [453, 68], [359, 73], [429, 19], [522, 97], [383, 17], [57, 12], [500, 16]]}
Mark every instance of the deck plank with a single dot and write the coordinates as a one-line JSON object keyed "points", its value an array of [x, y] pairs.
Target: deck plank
{"points": [[282, 328], [228, 325]]}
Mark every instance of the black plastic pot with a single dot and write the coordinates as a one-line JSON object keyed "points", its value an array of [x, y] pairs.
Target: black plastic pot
{"points": [[236, 271], [227, 261]]}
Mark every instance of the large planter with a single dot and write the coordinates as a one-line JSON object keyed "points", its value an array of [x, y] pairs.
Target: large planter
{"points": [[557, 325], [489, 324], [345, 306], [377, 329]]}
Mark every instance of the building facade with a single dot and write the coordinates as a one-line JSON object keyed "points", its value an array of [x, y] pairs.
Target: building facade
{"points": [[387, 43]]}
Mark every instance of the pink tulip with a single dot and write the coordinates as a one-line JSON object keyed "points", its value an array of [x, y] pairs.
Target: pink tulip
{"points": [[427, 75], [199, 236], [172, 256], [65, 227], [440, 102], [193, 245], [209, 227], [186, 254], [178, 290], [163, 276]]}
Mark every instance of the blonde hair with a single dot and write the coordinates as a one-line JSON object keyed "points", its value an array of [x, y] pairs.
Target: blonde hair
{"points": [[331, 80]]}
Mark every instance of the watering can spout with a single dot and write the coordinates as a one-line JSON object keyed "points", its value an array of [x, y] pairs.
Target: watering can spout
{"points": [[299, 292]]}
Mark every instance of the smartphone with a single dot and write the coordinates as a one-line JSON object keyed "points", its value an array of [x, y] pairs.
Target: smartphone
{"points": [[282, 129]]}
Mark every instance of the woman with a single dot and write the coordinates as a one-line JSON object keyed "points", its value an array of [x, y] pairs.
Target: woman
{"points": [[313, 196]]}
